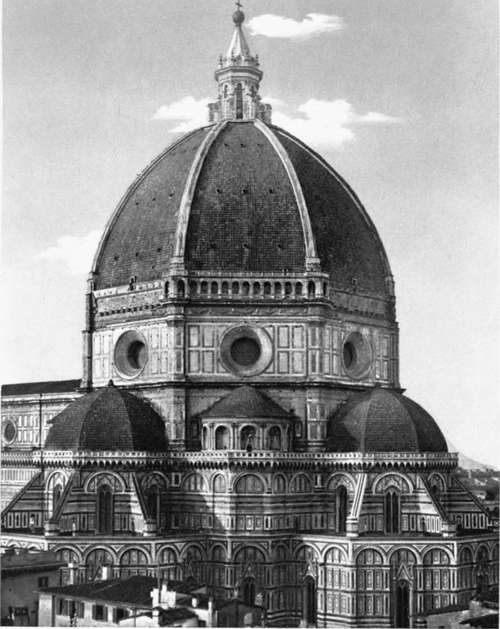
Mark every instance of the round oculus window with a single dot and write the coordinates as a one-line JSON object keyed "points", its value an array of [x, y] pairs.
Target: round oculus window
{"points": [[9, 431], [356, 355], [131, 354], [246, 350]]}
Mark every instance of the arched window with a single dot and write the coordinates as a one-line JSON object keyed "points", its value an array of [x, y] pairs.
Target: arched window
{"points": [[167, 561], [392, 515], [222, 438], [225, 90], [153, 503], [247, 438], [181, 289], [219, 484], [249, 484], [311, 289], [95, 562], [56, 496], [205, 438], [104, 515], [279, 484], [239, 102], [341, 509], [274, 438], [132, 562]]}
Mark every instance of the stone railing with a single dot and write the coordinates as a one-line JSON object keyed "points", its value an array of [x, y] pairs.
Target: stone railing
{"points": [[229, 458]]}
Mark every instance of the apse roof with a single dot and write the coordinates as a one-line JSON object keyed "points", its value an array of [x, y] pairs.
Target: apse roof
{"points": [[382, 420], [107, 419], [245, 402]]}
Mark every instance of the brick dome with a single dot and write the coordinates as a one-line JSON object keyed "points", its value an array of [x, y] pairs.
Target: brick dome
{"points": [[107, 419], [380, 420], [241, 196]]}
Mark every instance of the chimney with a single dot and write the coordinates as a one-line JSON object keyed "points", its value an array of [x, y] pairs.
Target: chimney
{"points": [[106, 573], [71, 573]]}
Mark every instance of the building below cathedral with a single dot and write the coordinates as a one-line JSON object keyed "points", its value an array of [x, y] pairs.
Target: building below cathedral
{"points": [[240, 424]]}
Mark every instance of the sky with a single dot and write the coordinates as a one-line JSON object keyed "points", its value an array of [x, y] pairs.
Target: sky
{"points": [[400, 96]]}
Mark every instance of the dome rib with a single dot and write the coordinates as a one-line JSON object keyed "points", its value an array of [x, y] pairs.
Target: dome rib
{"points": [[105, 277], [312, 259], [347, 191], [189, 191]]}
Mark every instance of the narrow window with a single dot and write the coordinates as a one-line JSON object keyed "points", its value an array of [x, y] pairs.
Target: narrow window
{"points": [[239, 102]]}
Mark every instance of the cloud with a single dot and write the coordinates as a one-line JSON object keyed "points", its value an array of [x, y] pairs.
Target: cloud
{"points": [[188, 112], [74, 253], [327, 124], [270, 25]]}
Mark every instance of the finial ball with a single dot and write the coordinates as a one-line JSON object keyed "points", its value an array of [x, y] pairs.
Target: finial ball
{"points": [[238, 17]]}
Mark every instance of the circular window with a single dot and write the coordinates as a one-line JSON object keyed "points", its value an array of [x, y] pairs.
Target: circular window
{"points": [[131, 354], [246, 351], [9, 431], [356, 355]]}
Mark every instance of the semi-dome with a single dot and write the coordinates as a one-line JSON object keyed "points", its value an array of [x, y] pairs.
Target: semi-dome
{"points": [[107, 419], [242, 197], [382, 420]]}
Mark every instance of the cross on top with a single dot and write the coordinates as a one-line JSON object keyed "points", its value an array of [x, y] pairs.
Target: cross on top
{"points": [[238, 4]]}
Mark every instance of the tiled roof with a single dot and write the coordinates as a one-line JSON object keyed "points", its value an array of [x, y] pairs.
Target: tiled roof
{"points": [[29, 562], [246, 402], [381, 420], [135, 590], [244, 214], [107, 419], [33, 388]]}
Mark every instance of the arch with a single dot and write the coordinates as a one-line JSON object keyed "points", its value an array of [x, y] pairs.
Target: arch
{"points": [[369, 557], [245, 289], [249, 554], [392, 479], [167, 555], [248, 437], [335, 555], [249, 484], [168, 563], [104, 509], [306, 552], [279, 484], [214, 289], [267, 288], [96, 559], [194, 482], [192, 552], [436, 556], [402, 556], [437, 480], [219, 553], [181, 289], [68, 555], [225, 288], [281, 553], [111, 478], [219, 484], [300, 483], [311, 289], [222, 438], [341, 478], [273, 441], [466, 555], [298, 289], [155, 478], [134, 561], [482, 553]]}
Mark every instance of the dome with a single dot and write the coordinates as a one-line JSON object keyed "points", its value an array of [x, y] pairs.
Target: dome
{"points": [[107, 419], [241, 197], [380, 420]]}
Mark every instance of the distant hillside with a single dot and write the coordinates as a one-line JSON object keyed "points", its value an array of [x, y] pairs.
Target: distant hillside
{"points": [[466, 463]]}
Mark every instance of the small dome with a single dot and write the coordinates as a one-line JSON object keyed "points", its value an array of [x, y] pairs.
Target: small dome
{"points": [[107, 419], [383, 421]]}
